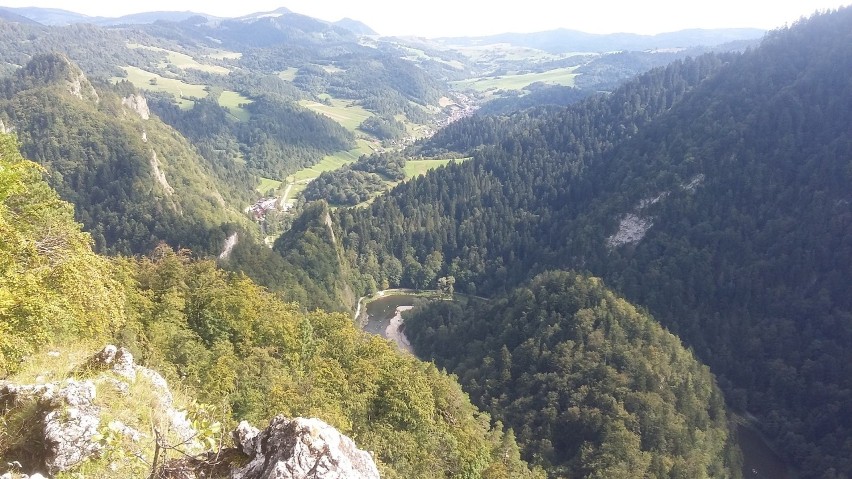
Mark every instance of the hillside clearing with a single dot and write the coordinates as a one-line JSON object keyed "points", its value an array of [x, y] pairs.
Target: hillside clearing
{"points": [[517, 81], [182, 60], [182, 91], [345, 112], [232, 101]]}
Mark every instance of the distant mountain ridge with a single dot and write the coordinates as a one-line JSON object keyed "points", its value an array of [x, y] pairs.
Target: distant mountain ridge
{"points": [[61, 17], [553, 41], [564, 40]]}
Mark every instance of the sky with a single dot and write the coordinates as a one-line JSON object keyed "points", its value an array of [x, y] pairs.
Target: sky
{"points": [[434, 18]]}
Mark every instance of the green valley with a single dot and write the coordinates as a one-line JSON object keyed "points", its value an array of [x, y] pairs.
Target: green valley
{"points": [[631, 251]]}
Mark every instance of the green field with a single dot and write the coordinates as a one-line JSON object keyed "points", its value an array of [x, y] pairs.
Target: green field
{"points": [[332, 162], [418, 55], [288, 74], [267, 184], [332, 69], [558, 76], [232, 100], [225, 55], [501, 52], [420, 167], [181, 90], [345, 112], [182, 60]]}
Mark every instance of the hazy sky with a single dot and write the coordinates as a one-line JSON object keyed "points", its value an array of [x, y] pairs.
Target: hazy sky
{"points": [[469, 18]]}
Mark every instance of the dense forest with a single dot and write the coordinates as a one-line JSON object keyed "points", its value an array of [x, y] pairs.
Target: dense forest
{"points": [[712, 193], [358, 181], [230, 343], [562, 353], [735, 168], [134, 180]]}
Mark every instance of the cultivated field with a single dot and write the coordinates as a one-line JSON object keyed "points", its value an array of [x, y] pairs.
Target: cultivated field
{"points": [[232, 100], [182, 60], [181, 90], [267, 184], [558, 76], [345, 112]]}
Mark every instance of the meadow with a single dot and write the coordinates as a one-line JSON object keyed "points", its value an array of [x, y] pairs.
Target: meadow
{"points": [[288, 74], [184, 61], [184, 92], [181, 90], [232, 101], [267, 184], [559, 76], [345, 112], [414, 168], [333, 162]]}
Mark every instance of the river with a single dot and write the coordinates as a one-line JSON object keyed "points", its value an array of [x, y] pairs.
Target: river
{"points": [[384, 318]]}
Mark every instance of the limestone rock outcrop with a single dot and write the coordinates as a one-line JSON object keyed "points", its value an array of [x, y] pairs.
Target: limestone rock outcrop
{"points": [[66, 420], [137, 104], [301, 448], [64, 425], [63, 420]]}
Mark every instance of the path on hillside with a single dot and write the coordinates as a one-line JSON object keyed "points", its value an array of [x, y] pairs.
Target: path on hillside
{"points": [[286, 193]]}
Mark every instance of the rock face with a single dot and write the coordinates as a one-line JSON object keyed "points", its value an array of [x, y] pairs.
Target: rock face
{"points": [[5, 129], [300, 449], [66, 418], [120, 361], [138, 104], [63, 420]]}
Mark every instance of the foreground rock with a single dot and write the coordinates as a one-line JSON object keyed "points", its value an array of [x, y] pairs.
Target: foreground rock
{"points": [[301, 448], [60, 421], [63, 425]]}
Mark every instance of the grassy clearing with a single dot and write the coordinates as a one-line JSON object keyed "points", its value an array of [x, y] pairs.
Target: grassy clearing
{"points": [[225, 55], [345, 112], [288, 74], [267, 184], [504, 52], [418, 55], [296, 190], [558, 76], [415, 168], [181, 90], [182, 60], [232, 100], [330, 163], [332, 69]]}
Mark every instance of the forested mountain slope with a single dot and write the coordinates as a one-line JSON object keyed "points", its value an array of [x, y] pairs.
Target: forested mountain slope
{"points": [[135, 181], [729, 178], [239, 349], [593, 387]]}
